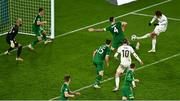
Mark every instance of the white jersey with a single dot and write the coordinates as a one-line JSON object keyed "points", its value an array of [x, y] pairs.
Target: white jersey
{"points": [[125, 51], [162, 21]]}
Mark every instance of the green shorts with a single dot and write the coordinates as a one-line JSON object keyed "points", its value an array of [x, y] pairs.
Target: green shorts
{"points": [[38, 32], [127, 92], [115, 44], [99, 66]]}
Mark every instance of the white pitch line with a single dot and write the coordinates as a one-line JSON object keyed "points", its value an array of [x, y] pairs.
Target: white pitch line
{"points": [[142, 67], [67, 33], [170, 18]]}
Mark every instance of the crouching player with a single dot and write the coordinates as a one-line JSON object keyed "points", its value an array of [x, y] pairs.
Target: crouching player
{"points": [[10, 39], [99, 55], [129, 84], [65, 91], [125, 51]]}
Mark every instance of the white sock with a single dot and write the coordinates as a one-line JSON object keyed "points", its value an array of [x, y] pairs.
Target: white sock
{"points": [[144, 36], [117, 80], [153, 44]]}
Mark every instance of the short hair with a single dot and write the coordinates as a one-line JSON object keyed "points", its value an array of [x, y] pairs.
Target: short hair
{"points": [[108, 42], [158, 13], [132, 66], [67, 78], [41, 9], [111, 19], [125, 41]]}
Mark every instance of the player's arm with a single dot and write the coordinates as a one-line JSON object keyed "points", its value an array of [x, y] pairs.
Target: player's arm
{"points": [[153, 19], [66, 94], [96, 30], [41, 23], [107, 59], [116, 55], [137, 58], [124, 25], [74, 93], [94, 53]]}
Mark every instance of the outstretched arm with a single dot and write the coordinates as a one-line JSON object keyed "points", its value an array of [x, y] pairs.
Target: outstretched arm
{"points": [[96, 30]]}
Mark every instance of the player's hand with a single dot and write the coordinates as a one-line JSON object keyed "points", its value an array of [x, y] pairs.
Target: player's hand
{"points": [[142, 63], [12, 44], [91, 29], [156, 24], [77, 93], [149, 24]]}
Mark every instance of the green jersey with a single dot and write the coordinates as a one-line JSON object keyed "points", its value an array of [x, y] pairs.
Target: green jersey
{"points": [[117, 33], [35, 26], [129, 78], [101, 52], [64, 88]]}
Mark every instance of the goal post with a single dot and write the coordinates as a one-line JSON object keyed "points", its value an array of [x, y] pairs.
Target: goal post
{"points": [[27, 10]]}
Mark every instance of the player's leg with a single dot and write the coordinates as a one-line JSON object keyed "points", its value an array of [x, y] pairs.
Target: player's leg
{"points": [[119, 72], [44, 34], [100, 73], [19, 50], [153, 36], [37, 39], [10, 48], [144, 36], [130, 94]]}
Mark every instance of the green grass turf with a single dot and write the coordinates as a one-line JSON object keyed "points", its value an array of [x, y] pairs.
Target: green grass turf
{"points": [[41, 74]]}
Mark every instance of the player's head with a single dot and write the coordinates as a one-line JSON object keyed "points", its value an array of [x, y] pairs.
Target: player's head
{"points": [[67, 78], [112, 20], [41, 11], [158, 13], [108, 42], [125, 41], [132, 66], [18, 21]]}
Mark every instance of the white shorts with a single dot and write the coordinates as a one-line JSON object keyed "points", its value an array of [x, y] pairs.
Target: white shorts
{"points": [[121, 68], [159, 29]]}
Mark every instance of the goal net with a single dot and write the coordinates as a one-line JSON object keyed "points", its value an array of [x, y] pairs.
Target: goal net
{"points": [[27, 10]]}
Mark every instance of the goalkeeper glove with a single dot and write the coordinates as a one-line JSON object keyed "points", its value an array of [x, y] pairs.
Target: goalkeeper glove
{"points": [[156, 24], [12, 44], [149, 24]]}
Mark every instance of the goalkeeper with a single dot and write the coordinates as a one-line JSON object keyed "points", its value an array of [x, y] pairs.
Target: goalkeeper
{"points": [[38, 30]]}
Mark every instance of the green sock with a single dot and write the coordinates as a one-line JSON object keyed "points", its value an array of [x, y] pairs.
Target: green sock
{"points": [[44, 37], [98, 79], [34, 42]]}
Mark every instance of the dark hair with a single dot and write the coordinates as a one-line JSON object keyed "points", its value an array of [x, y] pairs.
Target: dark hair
{"points": [[158, 13], [125, 41], [108, 42], [132, 65], [111, 19], [67, 78], [41, 9]]}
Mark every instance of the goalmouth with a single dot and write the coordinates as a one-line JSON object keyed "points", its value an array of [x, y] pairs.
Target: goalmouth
{"points": [[10, 10]]}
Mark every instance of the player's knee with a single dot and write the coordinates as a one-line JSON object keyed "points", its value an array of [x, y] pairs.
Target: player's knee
{"points": [[117, 74]]}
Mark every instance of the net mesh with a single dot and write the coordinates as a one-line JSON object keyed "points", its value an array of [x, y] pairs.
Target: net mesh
{"points": [[10, 10]]}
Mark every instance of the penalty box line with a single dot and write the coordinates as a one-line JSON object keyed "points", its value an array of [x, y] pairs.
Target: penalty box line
{"points": [[111, 78], [120, 16]]}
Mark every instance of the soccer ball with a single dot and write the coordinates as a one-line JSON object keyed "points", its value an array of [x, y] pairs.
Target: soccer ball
{"points": [[133, 37]]}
